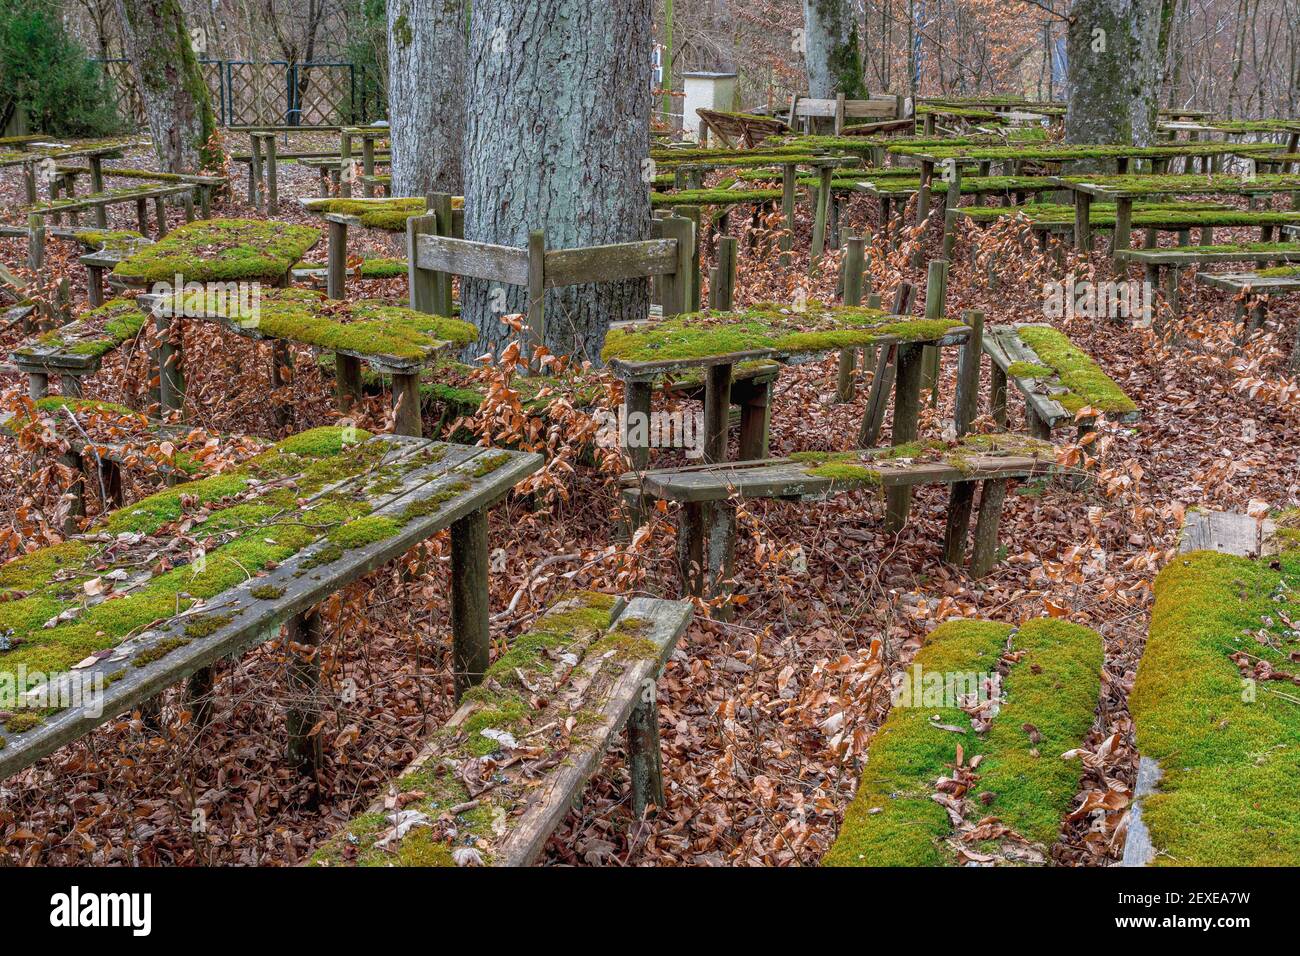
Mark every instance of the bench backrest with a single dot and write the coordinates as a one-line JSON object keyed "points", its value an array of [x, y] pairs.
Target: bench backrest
{"points": [[435, 254], [806, 109]]}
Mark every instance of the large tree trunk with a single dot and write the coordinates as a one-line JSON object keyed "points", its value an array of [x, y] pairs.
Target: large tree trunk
{"points": [[558, 140], [426, 94], [1112, 73], [831, 49], [175, 97]]}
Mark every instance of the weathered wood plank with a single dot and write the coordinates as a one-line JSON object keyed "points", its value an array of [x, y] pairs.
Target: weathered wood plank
{"points": [[478, 260]]}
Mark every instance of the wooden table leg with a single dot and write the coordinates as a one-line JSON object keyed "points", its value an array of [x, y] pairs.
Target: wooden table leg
{"points": [[95, 285], [755, 420], [171, 379], [635, 437], [469, 600], [986, 527], [1123, 228], [337, 266], [690, 547], [406, 402], [303, 635], [1082, 222], [644, 762], [960, 502], [717, 412], [347, 380], [281, 378], [907, 408]]}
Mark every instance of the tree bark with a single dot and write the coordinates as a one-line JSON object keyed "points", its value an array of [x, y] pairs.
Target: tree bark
{"points": [[558, 141], [831, 50], [426, 94], [1112, 72], [175, 96]]}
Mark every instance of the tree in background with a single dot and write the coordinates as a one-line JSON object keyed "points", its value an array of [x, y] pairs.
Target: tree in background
{"points": [[426, 94], [831, 49], [175, 97], [558, 140], [1112, 71], [45, 74]]}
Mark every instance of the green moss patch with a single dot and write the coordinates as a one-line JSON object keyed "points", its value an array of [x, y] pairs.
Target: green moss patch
{"points": [[1021, 778], [94, 334], [383, 268], [819, 328], [1088, 385], [1280, 272], [386, 214], [713, 197], [216, 250], [1187, 185], [1228, 743], [113, 239]]}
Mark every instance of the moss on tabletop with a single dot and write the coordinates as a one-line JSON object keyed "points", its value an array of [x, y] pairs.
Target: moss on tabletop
{"points": [[93, 334], [764, 327], [389, 215], [216, 250]]}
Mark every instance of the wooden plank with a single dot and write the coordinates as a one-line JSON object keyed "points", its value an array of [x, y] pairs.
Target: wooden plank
{"points": [[477, 260], [610, 263], [254, 620], [1226, 532]]}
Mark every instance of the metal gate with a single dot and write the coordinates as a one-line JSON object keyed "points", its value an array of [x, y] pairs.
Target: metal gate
{"points": [[267, 92]]}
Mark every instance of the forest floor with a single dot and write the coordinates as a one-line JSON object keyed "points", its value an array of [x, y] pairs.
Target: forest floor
{"points": [[765, 718]]}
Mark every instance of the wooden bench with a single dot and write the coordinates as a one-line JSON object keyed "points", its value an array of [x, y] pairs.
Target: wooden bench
{"points": [[1255, 289], [807, 112], [1055, 377], [98, 202], [741, 129], [507, 767], [707, 527], [1214, 710], [1163, 266], [77, 349], [967, 769], [282, 533], [66, 177]]}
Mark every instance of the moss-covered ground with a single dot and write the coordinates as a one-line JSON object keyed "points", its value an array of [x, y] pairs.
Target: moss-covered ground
{"points": [[1021, 778]]}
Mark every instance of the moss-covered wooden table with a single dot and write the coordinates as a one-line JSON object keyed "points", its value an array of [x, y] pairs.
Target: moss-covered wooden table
{"points": [[220, 250], [716, 342], [76, 350], [278, 535], [391, 339]]}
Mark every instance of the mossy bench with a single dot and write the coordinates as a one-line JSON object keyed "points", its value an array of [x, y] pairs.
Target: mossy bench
{"points": [[707, 527], [496, 781], [78, 348], [973, 765], [1215, 701], [97, 202], [1057, 379], [206, 185], [220, 250], [391, 339], [105, 249], [278, 535]]}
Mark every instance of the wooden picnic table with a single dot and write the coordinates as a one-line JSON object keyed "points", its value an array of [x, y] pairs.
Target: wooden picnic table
{"points": [[1123, 191], [639, 374], [94, 153], [375, 499]]}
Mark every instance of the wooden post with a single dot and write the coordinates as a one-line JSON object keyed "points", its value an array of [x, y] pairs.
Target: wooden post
{"points": [[722, 292], [406, 404], [345, 164], [1082, 221], [681, 284], [142, 216], [35, 242], [962, 497], [255, 172], [337, 261], [96, 164], [282, 377], [537, 287], [690, 274], [198, 696], [854, 264], [907, 407], [303, 634], [272, 182], [469, 600], [936, 289], [755, 400], [347, 381], [171, 378], [789, 180], [439, 205], [825, 171], [644, 762], [160, 213], [38, 385], [717, 412], [986, 526], [367, 165], [421, 284], [636, 402], [690, 547], [1123, 228]]}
